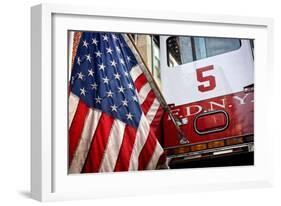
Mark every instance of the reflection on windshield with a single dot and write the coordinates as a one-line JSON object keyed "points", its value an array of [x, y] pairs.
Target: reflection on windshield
{"points": [[182, 50]]}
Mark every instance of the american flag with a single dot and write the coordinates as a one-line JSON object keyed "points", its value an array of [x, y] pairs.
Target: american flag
{"points": [[114, 114]]}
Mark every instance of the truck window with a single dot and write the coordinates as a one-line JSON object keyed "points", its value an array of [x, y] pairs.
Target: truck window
{"points": [[179, 50], [182, 50], [210, 46]]}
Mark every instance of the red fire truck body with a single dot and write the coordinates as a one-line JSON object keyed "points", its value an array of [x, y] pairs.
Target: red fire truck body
{"points": [[212, 119], [211, 96]]}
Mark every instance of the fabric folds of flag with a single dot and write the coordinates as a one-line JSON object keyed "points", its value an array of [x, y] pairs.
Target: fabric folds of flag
{"points": [[114, 114]]}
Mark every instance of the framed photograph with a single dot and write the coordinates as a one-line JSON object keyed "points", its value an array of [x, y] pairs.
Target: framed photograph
{"points": [[135, 102]]}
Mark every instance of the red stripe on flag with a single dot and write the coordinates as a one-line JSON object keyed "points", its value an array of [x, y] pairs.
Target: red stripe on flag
{"points": [[148, 102], [155, 123], [123, 160], [147, 151], [76, 128], [140, 82], [99, 142], [157, 118]]}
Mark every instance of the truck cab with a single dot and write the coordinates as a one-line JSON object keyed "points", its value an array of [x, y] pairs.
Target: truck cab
{"points": [[208, 83]]}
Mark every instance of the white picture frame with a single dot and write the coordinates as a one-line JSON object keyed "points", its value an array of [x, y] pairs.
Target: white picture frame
{"points": [[49, 178]]}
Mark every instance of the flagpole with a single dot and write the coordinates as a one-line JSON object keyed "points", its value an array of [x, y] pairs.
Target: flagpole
{"points": [[183, 139]]}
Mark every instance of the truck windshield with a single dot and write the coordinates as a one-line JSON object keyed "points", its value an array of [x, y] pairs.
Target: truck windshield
{"points": [[183, 49]]}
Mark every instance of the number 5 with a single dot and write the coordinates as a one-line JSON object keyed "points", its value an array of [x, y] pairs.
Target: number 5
{"points": [[210, 78]]}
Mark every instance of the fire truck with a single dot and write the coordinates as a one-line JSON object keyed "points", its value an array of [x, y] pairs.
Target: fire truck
{"points": [[208, 83]]}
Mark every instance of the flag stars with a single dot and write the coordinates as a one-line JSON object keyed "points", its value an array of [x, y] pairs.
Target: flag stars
{"points": [[83, 91], [125, 102], [114, 36], [109, 50], [121, 89], [105, 37], [88, 57], [135, 98], [101, 66], [80, 75], [98, 54], [101, 77], [129, 116], [91, 72], [117, 76], [78, 60], [122, 61], [94, 86], [113, 63], [85, 43], [72, 79], [130, 86], [98, 100], [113, 108], [105, 80], [109, 93], [118, 49], [94, 41]]}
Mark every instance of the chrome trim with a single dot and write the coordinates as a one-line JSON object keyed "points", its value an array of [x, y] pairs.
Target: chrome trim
{"points": [[203, 142], [189, 154]]}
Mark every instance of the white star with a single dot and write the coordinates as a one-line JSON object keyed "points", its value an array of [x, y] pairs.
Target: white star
{"points": [[128, 58], [78, 60], [94, 41], [72, 80], [82, 91], [91, 72], [98, 100], [125, 102], [109, 50], [101, 66], [98, 54], [114, 36], [129, 116], [94, 86], [126, 73], [117, 76], [113, 63], [113, 108], [121, 89], [80, 75], [85, 43], [118, 49], [135, 98], [88, 57], [105, 80], [130, 86], [104, 37], [109, 93], [122, 61]]}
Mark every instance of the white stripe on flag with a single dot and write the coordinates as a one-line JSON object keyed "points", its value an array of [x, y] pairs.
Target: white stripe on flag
{"points": [[113, 146], [135, 72], [72, 106], [145, 89], [141, 137], [155, 157], [83, 147], [152, 111]]}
